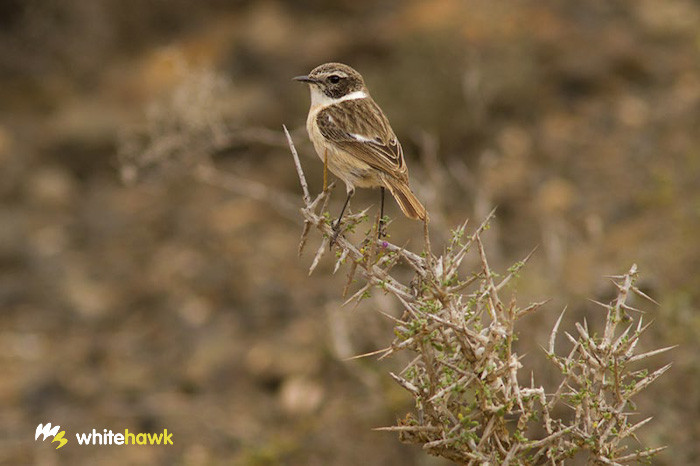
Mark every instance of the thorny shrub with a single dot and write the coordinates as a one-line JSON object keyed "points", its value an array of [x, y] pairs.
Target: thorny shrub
{"points": [[470, 404]]}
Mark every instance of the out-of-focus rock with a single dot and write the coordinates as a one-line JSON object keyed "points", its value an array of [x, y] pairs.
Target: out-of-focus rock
{"points": [[51, 186], [88, 296], [299, 395], [556, 196]]}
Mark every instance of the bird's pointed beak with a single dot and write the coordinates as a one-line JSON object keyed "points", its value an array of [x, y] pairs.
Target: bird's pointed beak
{"points": [[304, 79]]}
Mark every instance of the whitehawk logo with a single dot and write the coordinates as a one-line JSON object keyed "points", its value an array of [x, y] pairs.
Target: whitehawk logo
{"points": [[48, 431]]}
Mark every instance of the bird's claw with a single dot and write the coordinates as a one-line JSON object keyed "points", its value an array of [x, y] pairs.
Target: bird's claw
{"points": [[336, 233], [381, 230]]}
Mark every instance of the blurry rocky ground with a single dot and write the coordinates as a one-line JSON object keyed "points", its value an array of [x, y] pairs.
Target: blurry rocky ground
{"points": [[165, 302]]}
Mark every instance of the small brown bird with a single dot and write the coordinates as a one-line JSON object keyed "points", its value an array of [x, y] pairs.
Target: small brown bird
{"points": [[354, 140]]}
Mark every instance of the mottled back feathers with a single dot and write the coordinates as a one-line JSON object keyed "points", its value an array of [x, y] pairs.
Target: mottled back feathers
{"points": [[360, 127]]}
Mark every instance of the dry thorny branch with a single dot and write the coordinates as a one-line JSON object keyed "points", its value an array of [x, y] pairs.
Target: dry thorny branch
{"points": [[464, 376]]}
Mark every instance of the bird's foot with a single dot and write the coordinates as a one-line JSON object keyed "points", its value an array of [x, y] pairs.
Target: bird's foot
{"points": [[381, 228], [336, 233]]}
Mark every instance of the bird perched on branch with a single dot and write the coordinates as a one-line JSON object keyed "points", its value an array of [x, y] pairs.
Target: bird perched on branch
{"points": [[354, 140]]}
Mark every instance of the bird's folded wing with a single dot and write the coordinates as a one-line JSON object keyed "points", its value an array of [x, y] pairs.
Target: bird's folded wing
{"points": [[360, 128]]}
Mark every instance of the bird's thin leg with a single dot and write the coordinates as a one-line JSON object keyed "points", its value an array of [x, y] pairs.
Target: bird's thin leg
{"points": [[380, 229], [325, 170], [336, 226]]}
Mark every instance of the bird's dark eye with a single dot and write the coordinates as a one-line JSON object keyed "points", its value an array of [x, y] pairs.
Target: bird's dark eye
{"points": [[334, 79]]}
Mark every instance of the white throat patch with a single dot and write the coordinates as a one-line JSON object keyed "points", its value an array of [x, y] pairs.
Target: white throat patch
{"points": [[319, 99], [353, 96]]}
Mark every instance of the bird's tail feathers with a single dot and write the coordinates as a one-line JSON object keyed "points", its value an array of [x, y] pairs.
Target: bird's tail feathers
{"points": [[410, 205]]}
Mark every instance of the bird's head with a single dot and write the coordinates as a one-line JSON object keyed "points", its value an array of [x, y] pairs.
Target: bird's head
{"points": [[333, 80]]}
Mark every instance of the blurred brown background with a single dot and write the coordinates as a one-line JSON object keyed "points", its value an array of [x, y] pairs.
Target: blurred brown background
{"points": [[165, 302]]}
